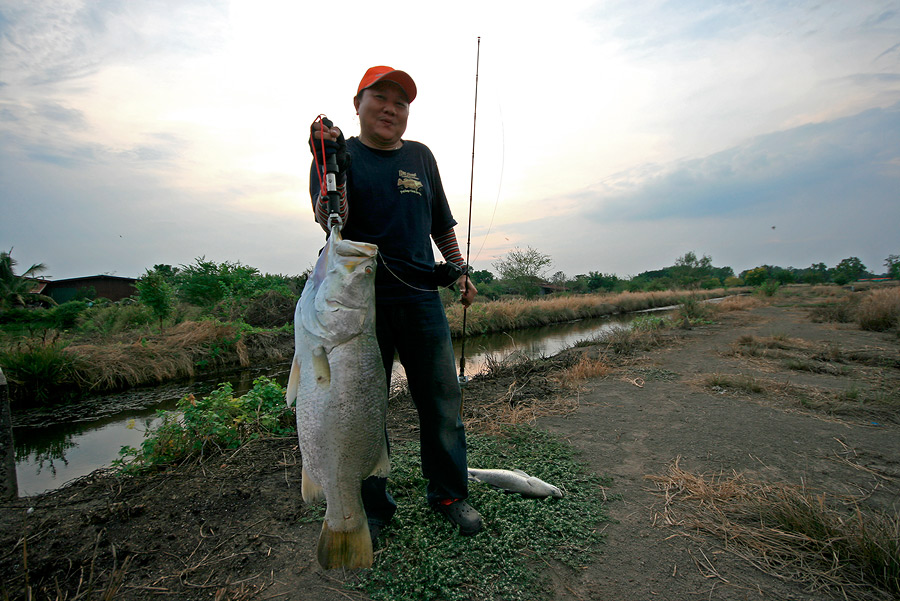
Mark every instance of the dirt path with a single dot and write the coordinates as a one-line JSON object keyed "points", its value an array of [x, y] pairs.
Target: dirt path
{"points": [[629, 432], [237, 523]]}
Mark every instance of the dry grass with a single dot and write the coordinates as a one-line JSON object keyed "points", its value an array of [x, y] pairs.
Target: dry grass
{"points": [[587, 367], [879, 310], [737, 303], [876, 402], [517, 390], [828, 543], [154, 359]]}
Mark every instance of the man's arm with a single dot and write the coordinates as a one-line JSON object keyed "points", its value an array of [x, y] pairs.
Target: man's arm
{"points": [[449, 248]]}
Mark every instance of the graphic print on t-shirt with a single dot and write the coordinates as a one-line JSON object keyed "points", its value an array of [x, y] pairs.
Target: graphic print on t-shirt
{"points": [[408, 183]]}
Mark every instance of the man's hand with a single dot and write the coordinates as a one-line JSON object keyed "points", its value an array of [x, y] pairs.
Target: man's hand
{"points": [[467, 290], [323, 133]]}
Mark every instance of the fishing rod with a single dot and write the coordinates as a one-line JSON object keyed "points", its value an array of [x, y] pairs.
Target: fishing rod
{"points": [[462, 352]]}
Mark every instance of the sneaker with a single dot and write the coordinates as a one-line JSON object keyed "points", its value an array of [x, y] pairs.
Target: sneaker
{"points": [[461, 514]]}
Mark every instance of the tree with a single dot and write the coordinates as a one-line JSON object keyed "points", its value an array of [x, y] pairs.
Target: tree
{"points": [[18, 290], [689, 271], [602, 281], [523, 270], [481, 276], [519, 263], [893, 266], [756, 276], [559, 279], [157, 294], [817, 273], [848, 270]]}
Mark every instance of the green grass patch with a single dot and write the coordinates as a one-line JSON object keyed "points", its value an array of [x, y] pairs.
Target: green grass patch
{"points": [[424, 558], [38, 371], [205, 426]]}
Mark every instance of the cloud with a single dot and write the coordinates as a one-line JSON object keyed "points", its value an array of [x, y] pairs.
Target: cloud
{"points": [[53, 42], [774, 168], [832, 190]]}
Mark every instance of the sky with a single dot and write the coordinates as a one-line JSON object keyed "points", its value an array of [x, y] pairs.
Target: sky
{"points": [[611, 136]]}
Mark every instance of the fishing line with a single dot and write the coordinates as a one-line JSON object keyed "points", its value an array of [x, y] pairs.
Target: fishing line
{"points": [[397, 277], [499, 183], [462, 351]]}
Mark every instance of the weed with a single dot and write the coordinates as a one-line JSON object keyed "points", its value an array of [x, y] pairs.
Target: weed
{"points": [[816, 367], [496, 563], [769, 288], [586, 367], [842, 310], [218, 421], [694, 309], [649, 323], [38, 370], [739, 383]]}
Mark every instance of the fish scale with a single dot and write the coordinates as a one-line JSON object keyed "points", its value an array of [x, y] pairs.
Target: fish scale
{"points": [[339, 385]]}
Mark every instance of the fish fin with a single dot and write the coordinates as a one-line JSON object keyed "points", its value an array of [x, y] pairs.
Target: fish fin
{"points": [[293, 382], [351, 549], [383, 465], [321, 368], [310, 489], [521, 473]]}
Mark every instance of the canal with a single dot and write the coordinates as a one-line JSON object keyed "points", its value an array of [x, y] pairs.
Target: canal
{"points": [[58, 444]]}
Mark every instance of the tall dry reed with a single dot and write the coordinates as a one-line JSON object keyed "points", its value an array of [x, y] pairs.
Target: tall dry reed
{"points": [[879, 310], [513, 314]]}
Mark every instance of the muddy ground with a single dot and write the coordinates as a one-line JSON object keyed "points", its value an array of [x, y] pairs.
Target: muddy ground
{"points": [[234, 527]]}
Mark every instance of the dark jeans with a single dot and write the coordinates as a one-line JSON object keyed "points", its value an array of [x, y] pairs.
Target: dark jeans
{"points": [[419, 334]]}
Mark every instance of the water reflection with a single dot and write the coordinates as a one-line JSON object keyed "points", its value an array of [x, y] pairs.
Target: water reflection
{"points": [[48, 456]]}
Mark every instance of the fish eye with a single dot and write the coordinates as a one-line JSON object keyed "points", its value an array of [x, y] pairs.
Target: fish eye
{"points": [[368, 270]]}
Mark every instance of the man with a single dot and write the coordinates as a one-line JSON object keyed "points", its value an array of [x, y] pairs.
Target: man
{"points": [[392, 196]]}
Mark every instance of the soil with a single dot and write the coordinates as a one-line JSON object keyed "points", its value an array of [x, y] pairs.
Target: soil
{"points": [[233, 527]]}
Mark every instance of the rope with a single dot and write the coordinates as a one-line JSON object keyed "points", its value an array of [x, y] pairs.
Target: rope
{"points": [[323, 191]]}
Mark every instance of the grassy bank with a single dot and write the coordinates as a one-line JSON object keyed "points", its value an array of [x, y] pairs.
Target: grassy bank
{"points": [[116, 347], [515, 314], [63, 366]]}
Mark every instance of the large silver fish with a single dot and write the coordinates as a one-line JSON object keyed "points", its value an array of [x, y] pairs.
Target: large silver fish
{"points": [[516, 481], [338, 381]]}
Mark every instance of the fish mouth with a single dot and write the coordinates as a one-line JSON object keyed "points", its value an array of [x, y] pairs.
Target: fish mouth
{"points": [[350, 248]]}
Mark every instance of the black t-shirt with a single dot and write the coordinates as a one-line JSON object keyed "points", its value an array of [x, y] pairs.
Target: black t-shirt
{"points": [[396, 200]]}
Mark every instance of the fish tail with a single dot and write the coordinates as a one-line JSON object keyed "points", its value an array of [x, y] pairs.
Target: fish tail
{"points": [[352, 549], [310, 490]]}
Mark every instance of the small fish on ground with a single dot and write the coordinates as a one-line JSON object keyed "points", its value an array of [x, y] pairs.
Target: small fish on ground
{"points": [[516, 481]]}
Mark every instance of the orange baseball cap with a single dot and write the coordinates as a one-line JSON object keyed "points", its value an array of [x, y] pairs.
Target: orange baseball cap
{"points": [[401, 78]]}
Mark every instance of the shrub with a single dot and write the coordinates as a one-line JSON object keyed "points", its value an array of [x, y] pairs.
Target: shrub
{"points": [[879, 310], [271, 309], [38, 370], [693, 309], [65, 316], [31, 319], [116, 318], [208, 425], [769, 287]]}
